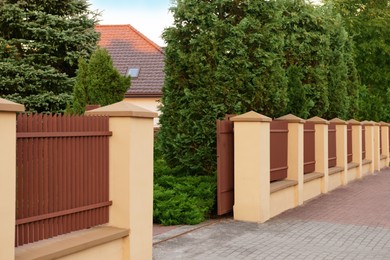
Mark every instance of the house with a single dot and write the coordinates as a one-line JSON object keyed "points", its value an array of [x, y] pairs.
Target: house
{"points": [[135, 55]]}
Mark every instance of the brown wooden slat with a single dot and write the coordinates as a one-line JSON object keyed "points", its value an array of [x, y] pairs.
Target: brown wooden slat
{"points": [[63, 213], [332, 159], [278, 150], [309, 147], [349, 143], [55, 172], [225, 166], [363, 142], [46, 193], [30, 180]]}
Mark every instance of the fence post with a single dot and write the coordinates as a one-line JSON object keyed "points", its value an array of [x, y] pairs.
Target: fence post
{"points": [[131, 175], [8, 111], [295, 159], [385, 141], [321, 149], [377, 153], [369, 137], [341, 148], [357, 144], [251, 167]]}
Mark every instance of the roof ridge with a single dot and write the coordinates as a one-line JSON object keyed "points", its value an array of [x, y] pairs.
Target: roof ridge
{"points": [[137, 32]]}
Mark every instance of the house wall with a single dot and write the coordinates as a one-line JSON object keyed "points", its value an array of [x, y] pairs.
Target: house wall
{"points": [[149, 103]]}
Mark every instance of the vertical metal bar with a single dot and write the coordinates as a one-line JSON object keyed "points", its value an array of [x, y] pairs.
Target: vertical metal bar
{"points": [[40, 162], [46, 177], [57, 171], [31, 181]]}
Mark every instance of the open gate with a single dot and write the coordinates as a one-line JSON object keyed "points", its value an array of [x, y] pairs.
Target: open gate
{"points": [[225, 166]]}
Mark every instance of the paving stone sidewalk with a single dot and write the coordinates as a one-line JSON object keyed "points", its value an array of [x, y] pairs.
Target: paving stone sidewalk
{"points": [[351, 222]]}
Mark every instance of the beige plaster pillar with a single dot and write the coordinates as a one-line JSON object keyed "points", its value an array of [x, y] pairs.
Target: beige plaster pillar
{"points": [[321, 150], [385, 141], [8, 111], [357, 144], [251, 167], [131, 175], [341, 148], [377, 153], [295, 160], [369, 137]]}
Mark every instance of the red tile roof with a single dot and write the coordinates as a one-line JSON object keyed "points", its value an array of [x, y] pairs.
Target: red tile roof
{"points": [[131, 49]]}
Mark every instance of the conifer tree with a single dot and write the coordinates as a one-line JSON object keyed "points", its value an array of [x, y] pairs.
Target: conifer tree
{"points": [[40, 44], [98, 82]]}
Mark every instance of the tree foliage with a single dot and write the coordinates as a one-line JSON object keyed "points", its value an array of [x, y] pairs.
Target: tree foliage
{"points": [[98, 82], [40, 44], [222, 57], [229, 57], [368, 21]]}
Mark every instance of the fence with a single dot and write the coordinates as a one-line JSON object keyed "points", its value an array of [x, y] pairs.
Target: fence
{"points": [[65, 189], [311, 157], [309, 149], [278, 150], [62, 175]]}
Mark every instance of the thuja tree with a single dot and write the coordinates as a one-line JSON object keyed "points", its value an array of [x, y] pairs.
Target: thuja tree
{"points": [[368, 22], [321, 75], [40, 44], [223, 57], [98, 82]]}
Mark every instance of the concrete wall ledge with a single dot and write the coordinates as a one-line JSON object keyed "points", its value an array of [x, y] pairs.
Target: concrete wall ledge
{"points": [[312, 176], [335, 170], [70, 243], [281, 185], [365, 161], [352, 165]]}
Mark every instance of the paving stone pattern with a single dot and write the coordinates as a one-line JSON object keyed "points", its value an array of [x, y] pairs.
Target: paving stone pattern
{"points": [[351, 222]]}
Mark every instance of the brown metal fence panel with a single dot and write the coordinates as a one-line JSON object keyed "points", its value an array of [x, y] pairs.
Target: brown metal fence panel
{"points": [[309, 147], [363, 142], [380, 140], [62, 175], [332, 145], [278, 150], [225, 166], [349, 143]]}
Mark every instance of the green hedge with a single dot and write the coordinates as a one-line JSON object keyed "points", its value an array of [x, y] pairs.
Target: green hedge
{"points": [[181, 199]]}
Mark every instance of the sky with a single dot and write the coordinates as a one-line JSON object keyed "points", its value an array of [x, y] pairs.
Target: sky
{"points": [[150, 17]]}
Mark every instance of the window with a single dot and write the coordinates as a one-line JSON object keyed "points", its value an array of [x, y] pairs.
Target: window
{"points": [[133, 72]]}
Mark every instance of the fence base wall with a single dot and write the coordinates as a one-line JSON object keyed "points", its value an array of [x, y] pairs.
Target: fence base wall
{"points": [[312, 189], [383, 162], [111, 250], [283, 200], [366, 168], [335, 181], [103, 242], [352, 174]]}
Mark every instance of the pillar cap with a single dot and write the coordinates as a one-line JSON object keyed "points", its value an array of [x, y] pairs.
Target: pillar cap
{"points": [[353, 122], [122, 109], [318, 120], [338, 121], [368, 122], [251, 116], [9, 106], [290, 118]]}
